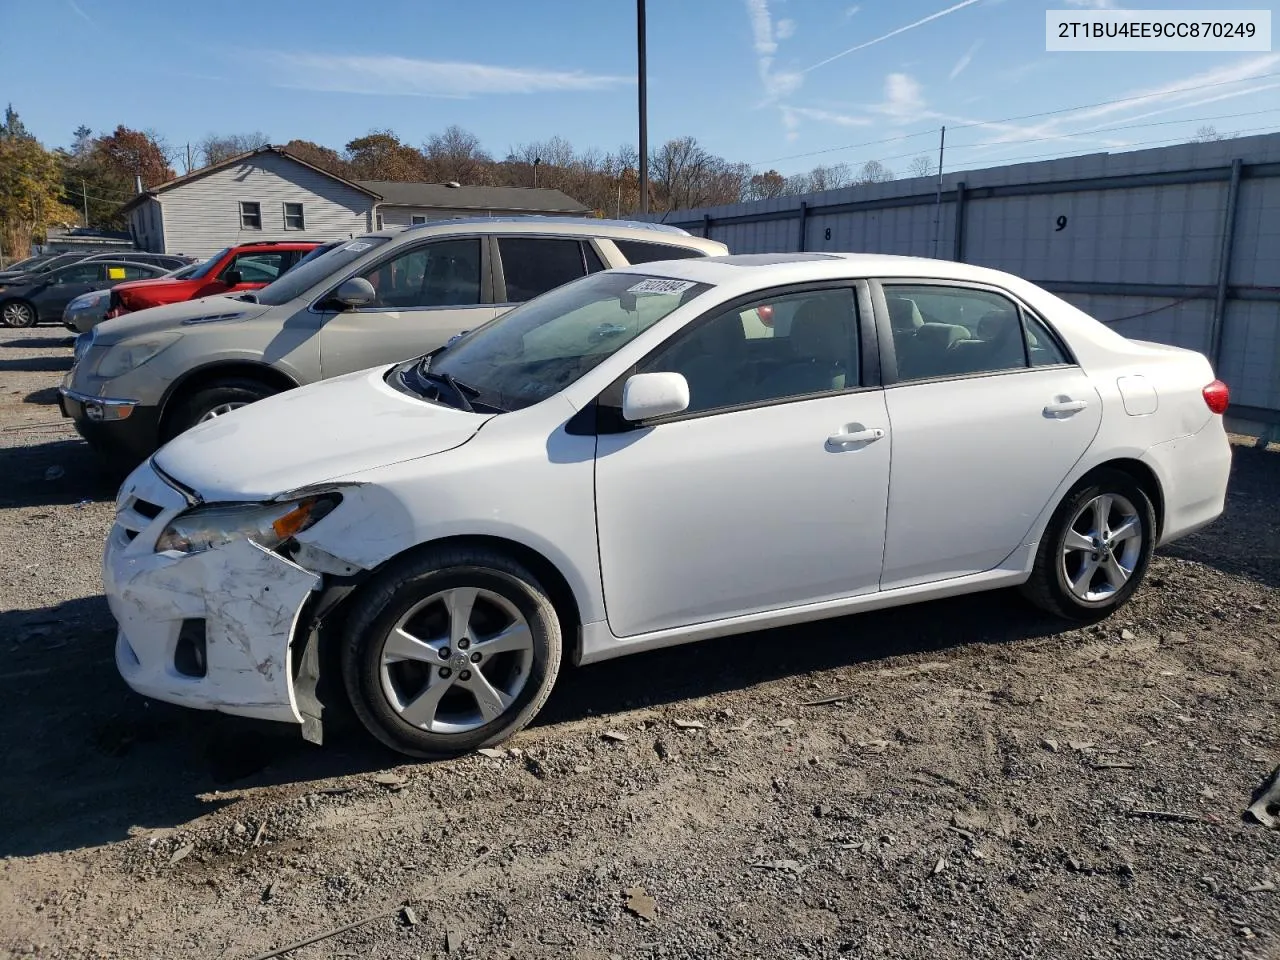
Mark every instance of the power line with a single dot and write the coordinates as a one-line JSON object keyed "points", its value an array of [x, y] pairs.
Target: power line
{"points": [[1027, 116]]}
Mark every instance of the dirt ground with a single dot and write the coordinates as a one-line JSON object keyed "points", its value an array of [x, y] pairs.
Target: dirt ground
{"points": [[992, 786]]}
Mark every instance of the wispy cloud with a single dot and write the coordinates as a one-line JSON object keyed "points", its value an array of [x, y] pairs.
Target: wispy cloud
{"points": [[827, 116], [893, 33], [784, 29], [965, 59], [851, 11], [765, 37], [78, 9], [405, 76], [903, 100]]}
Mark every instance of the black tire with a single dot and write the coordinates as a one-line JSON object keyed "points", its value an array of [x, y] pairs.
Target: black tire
{"points": [[1049, 587], [190, 409], [18, 314], [395, 592]]}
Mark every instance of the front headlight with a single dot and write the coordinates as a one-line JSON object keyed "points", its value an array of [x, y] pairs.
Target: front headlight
{"points": [[131, 354], [91, 299], [266, 524], [83, 343]]}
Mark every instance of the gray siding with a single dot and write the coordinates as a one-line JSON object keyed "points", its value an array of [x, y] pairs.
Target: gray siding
{"points": [[397, 216], [203, 216], [1117, 237], [146, 223]]}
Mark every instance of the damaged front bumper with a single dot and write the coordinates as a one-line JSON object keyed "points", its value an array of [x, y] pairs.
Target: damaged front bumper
{"points": [[210, 630]]}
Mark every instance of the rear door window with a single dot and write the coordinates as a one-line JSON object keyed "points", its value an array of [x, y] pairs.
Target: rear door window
{"points": [[533, 265]]}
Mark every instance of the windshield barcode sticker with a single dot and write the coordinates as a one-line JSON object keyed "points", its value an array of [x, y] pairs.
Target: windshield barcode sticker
{"points": [[661, 286], [357, 246]]}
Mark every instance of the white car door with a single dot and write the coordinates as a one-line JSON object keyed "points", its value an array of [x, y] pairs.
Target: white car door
{"points": [[770, 491], [989, 414], [426, 294]]}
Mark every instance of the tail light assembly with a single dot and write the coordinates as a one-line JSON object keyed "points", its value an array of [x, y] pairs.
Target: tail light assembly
{"points": [[1217, 396]]}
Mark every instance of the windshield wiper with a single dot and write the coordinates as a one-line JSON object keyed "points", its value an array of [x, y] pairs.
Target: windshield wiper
{"points": [[462, 391]]}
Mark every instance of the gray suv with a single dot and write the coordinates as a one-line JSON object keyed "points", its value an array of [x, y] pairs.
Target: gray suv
{"points": [[141, 379]]}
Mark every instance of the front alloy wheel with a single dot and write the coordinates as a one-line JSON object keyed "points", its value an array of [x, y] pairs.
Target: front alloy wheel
{"points": [[15, 313], [449, 650]]}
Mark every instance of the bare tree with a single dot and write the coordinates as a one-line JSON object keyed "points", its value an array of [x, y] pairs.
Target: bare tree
{"points": [[456, 155], [218, 147], [1207, 134], [830, 178], [873, 171], [922, 166]]}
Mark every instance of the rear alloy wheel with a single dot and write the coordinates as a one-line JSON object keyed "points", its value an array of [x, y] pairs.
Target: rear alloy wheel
{"points": [[449, 651], [1095, 550], [18, 313]]}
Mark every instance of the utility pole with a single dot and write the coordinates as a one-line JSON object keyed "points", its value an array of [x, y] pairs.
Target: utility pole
{"points": [[536, 161], [937, 212], [84, 191], [644, 109]]}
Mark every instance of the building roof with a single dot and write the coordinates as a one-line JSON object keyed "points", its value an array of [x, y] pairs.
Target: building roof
{"points": [[231, 162], [532, 199]]}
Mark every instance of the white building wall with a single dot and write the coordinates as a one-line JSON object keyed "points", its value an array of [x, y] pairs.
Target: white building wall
{"points": [[203, 216]]}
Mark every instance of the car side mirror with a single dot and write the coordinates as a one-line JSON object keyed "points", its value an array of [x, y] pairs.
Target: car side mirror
{"points": [[649, 395], [232, 278], [355, 292]]}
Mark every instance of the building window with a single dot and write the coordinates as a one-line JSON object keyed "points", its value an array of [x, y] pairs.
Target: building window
{"points": [[379, 221], [417, 219], [250, 215], [293, 217]]}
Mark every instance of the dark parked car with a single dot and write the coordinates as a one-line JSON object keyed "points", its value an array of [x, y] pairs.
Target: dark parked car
{"points": [[170, 261], [42, 266], [31, 298]]}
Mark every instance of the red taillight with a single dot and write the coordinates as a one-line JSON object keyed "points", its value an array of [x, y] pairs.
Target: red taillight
{"points": [[765, 313], [1217, 396]]}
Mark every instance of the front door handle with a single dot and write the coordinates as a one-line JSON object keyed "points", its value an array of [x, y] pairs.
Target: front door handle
{"points": [[845, 437], [1064, 407]]}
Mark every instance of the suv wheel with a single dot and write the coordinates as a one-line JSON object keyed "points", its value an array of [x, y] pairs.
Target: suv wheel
{"points": [[214, 400]]}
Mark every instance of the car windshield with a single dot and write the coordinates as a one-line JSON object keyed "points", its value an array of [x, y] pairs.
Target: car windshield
{"points": [[204, 269], [183, 272], [542, 346], [30, 263], [307, 273]]}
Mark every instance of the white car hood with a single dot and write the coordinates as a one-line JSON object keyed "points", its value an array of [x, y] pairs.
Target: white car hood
{"points": [[310, 435]]}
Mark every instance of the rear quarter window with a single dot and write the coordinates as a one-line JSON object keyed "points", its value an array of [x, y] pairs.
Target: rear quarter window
{"points": [[640, 251]]}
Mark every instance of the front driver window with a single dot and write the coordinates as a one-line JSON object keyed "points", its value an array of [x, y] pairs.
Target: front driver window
{"points": [[445, 273], [787, 346]]}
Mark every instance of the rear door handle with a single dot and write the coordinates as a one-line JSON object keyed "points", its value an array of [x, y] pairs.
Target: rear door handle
{"points": [[844, 438], [1064, 407]]}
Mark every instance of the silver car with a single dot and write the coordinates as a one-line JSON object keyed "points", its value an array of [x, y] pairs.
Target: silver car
{"points": [[145, 377]]}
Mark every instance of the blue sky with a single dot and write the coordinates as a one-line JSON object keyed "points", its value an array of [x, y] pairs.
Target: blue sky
{"points": [[777, 83]]}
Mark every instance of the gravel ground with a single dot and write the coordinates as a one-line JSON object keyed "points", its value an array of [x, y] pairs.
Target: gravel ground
{"points": [[991, 785]]}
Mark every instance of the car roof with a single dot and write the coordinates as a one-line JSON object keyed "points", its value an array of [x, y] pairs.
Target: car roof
{"points": [[562, 226], [774, 269]]}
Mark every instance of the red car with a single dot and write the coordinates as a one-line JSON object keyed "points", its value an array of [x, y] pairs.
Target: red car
{"points": [[247, 266]]}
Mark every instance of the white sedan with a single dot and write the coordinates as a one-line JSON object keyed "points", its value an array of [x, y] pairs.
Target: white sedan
{"points": [[646, 457]]}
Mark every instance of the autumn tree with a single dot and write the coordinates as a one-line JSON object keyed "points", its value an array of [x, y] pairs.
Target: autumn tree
{"points": [[379, 155], [127, 154], [218, 147], [30, 188], [765, 186], [326, 158], [685, 175]]}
